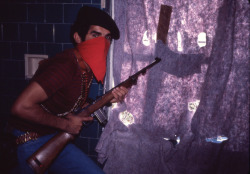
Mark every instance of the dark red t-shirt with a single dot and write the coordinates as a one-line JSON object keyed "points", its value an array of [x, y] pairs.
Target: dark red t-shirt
{"points": [[61, 79]]}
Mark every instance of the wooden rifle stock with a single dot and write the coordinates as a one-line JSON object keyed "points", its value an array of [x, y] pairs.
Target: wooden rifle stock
{"points": [[44, 156]]}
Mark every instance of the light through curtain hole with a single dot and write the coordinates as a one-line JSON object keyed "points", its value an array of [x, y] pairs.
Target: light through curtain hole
{"points": [[179, 41], [146, 40], [202, 40], [126, 118], [193, 105]]}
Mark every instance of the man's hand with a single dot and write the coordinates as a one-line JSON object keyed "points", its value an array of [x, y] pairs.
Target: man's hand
{"points": [[119, 94], [75, 123]]}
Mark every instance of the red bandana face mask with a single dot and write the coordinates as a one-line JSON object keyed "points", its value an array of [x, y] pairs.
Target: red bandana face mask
{"points": [[94, 53]]}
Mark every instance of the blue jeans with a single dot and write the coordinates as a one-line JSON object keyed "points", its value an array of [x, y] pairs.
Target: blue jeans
{"points": [[70, 161]]}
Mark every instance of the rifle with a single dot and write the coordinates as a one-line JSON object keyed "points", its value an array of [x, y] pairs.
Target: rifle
{"points": [[45, 155]]}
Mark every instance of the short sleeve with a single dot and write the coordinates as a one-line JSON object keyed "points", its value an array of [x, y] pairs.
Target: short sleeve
{"points": [[55, 73]]}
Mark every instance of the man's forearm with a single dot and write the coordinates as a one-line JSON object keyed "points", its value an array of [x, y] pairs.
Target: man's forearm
{"points": [[37, 114], [27, 106]]}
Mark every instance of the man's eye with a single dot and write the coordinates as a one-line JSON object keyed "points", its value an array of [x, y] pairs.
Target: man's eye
{"points": [[95, 35], [108, 38]]}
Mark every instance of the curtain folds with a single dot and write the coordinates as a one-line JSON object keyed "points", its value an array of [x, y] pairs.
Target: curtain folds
{"points": [[195, 94]]}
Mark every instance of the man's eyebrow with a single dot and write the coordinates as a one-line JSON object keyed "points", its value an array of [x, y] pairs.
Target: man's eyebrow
{"points": [[95, 32], [99, 33]]}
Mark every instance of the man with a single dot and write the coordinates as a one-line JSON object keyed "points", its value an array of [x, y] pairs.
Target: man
{"points": [[60, 86]]}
